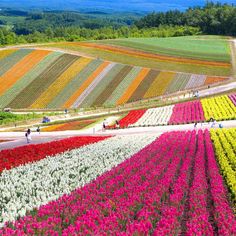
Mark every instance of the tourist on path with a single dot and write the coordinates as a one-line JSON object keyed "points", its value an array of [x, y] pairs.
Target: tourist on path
{"points": [[28, 136]]}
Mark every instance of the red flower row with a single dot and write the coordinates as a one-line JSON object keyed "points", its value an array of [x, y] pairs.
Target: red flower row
{"points": [[23, 155], [131, 118]]}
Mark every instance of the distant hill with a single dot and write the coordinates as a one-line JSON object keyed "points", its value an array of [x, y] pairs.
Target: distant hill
{"points": [[121, 5]]}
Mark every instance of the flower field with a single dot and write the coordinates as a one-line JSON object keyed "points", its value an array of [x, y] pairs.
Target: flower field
{"points": [[233, 98], [151, 117], [224, 141], [38, 79], [188, 112], [166, 185], [219, 108]]}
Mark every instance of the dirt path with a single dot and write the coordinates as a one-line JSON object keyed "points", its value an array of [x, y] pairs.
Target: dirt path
{"points": [[233, 56], [20, 140]]}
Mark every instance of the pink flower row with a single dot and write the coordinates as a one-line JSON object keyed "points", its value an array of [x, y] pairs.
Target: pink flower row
{"points": [[187, 112], [233, 98], [171, 181]]}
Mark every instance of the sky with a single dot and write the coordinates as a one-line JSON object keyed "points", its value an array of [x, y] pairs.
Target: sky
{"points": [[115, 5]]}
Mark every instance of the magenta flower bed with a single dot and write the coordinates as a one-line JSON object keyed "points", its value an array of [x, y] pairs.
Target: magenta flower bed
{"points": [[187, 112], [171, 187], [233, 98]]}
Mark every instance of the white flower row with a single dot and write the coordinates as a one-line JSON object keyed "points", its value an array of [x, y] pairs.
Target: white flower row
{"points": [[32, 185], [155, 116]]}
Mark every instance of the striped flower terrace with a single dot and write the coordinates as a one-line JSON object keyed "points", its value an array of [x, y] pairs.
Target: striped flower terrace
{"points": [[39, 79]]}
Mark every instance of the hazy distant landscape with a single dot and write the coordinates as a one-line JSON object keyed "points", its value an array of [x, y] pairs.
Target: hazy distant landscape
{"points": [[121, 5]]}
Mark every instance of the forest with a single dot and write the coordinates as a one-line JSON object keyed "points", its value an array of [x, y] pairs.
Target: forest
{"points": [[51, 26]]}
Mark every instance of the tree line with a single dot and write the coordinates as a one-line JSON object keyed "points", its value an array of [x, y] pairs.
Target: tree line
{"points": [[70, 34], [37, 27], [213, 18]]}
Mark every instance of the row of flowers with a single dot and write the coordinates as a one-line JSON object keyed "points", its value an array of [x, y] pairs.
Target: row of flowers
{"points": [[187, 112], [160, 115], [218, 108], [224, 141], [171, 186], [34, 184], [23, 155]]}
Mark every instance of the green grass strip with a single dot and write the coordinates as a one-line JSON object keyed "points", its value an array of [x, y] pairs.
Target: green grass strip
{"points": [[7, 62], [102, 86], [74, 84], [21, 84], [111, 101], [188, 47]]}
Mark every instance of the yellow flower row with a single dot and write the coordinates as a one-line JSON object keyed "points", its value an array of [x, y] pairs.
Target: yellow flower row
{"points": [[219, 108], [225, 150]]}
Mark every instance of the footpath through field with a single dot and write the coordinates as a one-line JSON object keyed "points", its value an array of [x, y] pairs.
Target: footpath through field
{"points": [[18, 138], [233, 56]]}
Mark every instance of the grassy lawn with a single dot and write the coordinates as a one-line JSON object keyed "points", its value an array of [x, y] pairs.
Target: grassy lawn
{"points": [[211, 48], [145, 62]]}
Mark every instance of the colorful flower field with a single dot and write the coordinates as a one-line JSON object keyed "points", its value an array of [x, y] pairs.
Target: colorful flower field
{"points": [[216, 108], [37, 79], [161, 185]]}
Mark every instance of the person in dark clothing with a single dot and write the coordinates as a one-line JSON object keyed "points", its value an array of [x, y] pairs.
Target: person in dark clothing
{"points": [[28, 136], [117, 124], [38, 130]]}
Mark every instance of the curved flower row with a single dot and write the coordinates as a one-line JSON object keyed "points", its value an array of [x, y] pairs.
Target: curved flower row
{"points": [[198, 221], [32, 185]]}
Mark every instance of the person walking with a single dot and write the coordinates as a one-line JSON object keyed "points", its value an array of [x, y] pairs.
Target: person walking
{"points": [[103, 126], [117, 124], [28, 136]]}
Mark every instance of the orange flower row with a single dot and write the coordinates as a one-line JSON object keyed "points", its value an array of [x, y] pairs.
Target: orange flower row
{"points": [[134, 85], [20, 69], [213, 80]]}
